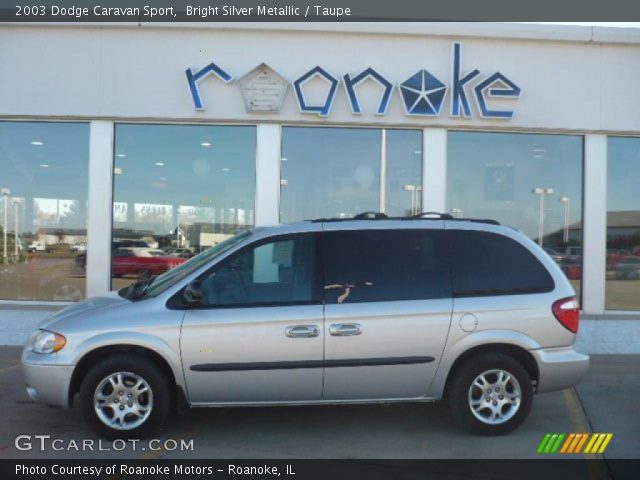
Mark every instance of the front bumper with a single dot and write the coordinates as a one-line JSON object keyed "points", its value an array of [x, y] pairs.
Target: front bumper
{"points": [[559, 368], [46, 382]]}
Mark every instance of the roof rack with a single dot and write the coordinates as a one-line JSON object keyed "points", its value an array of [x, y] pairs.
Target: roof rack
{"points": [[419, 216]]}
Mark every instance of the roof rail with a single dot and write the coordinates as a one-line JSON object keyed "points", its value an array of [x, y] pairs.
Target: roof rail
{"points": [[371, 216], [441, 216], [419, 216]]}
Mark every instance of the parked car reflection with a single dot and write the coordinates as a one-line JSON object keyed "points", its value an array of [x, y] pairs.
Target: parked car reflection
{"points": [[628, 268], [142, 262]]}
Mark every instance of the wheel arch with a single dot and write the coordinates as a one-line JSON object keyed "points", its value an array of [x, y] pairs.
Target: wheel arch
{"points": [[90, 358], [518, 353]]}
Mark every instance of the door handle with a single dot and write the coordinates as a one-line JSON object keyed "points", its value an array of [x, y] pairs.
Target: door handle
{"points": [[345, 329], [302, 331]]}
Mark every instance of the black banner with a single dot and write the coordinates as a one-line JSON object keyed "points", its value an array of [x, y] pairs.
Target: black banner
{"points": [[315, 11], [489, 469]]}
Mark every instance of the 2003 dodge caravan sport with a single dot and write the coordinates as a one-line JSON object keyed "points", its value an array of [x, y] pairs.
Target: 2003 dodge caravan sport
{"points": [[372, 309]]}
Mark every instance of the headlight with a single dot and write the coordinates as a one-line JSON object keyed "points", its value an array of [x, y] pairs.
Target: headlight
{"points": [[48, 342]]}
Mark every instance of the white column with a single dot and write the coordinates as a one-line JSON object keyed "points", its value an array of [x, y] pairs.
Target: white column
{"points": [[382, 207], [267, 209], [100, 208], [595, 224], [434, 170]]}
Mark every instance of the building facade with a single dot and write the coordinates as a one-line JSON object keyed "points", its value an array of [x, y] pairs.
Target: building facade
{"points": [[124, 142]]}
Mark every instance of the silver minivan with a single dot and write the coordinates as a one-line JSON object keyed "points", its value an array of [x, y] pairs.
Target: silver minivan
{"points": [[329, 311]]}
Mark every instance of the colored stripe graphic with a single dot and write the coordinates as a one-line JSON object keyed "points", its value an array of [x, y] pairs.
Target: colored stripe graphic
{"points": [[582, 441], [543, 443], [606, 442], [574, 443], [567, 443], [551, 442]]}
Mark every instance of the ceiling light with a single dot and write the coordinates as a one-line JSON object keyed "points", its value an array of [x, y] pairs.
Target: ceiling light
{"points": [[159, 164], [37, 143], [44, 165], [120, 155], [225, 169], [205, 144]]}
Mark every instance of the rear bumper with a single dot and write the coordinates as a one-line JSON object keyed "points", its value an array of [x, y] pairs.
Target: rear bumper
{"points": [[559, 368], [47, 383]]}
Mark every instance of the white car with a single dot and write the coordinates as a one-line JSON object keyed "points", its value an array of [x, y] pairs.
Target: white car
{"points": [[36, 247], [79, 247]]}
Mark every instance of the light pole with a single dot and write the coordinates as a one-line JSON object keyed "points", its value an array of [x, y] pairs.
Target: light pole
{"points": [[414, 189], [541, 191], [16, 211], [5, 193], [567, 205]]}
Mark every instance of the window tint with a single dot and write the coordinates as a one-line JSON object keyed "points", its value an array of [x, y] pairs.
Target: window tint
{"points": [[376, 265], [276, 272], [489, 264]]}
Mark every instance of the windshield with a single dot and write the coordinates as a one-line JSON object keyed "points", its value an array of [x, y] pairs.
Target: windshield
{"points": [[156, 285]]}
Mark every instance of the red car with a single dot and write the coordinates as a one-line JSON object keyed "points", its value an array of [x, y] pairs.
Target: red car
{"points": [[142, 262]]}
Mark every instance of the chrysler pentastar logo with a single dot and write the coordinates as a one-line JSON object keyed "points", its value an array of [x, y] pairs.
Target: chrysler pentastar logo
{"points": [[423, 94]]}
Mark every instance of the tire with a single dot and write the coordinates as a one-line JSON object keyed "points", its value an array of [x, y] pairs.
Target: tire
{"points": [[140, 418], [512, 407]]}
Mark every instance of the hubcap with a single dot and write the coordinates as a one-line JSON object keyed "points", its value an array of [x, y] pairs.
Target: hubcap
{"points": [[123, 400], [494, 397]]}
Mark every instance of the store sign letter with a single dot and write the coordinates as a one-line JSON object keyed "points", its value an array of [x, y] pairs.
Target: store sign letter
{"points": [[421, 94]]}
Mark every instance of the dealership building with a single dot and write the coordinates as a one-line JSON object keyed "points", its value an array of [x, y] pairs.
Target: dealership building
{"points": [[143, 137]]}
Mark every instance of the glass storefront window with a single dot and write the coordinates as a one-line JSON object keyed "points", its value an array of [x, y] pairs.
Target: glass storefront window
{"points": [[43, 210], [178, 189], [529, 181], [340, 172], [623, 224]]}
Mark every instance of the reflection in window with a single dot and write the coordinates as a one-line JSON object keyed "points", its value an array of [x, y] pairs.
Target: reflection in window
{"points": [[178, 189], [623, 224], [278, 272], [43, 210], [340, 172], [532, 182]]}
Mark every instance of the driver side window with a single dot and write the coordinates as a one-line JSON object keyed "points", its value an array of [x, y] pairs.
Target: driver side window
{"points": [[281, 271]]}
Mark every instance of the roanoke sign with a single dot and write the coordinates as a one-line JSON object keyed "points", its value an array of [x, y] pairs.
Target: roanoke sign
{"points": [[422, 94]]}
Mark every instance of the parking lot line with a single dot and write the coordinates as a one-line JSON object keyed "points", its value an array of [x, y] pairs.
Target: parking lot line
{"points": [[597, 471]]}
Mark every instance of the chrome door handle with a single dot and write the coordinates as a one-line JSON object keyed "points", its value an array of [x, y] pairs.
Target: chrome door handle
{"points": [[345, 329], [302, 331]]}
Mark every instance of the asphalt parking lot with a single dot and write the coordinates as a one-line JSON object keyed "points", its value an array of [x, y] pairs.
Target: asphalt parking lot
{"points": [[606, 401]]}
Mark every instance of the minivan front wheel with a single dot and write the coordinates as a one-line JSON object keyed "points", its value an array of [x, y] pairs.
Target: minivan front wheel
{"points": [[491, 394], [124, 396]]}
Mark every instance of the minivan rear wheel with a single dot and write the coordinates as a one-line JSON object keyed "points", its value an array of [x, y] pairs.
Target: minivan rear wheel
{"points": [[491, 394], [125, 396]]}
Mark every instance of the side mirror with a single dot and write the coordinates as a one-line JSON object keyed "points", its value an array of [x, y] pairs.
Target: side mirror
{"points": [[193, 293]]}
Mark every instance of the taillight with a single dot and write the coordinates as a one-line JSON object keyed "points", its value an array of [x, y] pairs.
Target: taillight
{"points": [[567, 312]]}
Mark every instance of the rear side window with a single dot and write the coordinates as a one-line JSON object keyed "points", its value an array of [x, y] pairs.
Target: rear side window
{"points": [[385, 265], [486, 263]]}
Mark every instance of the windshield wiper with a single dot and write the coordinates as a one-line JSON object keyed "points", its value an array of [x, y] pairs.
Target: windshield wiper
{"points": [[137, 290]]}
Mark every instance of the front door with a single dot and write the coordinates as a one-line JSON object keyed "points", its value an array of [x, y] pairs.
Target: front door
{"points": [[258, 334], [388, 310]]}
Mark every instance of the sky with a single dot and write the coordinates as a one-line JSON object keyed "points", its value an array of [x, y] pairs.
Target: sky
{"points": [[597, 24]]}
